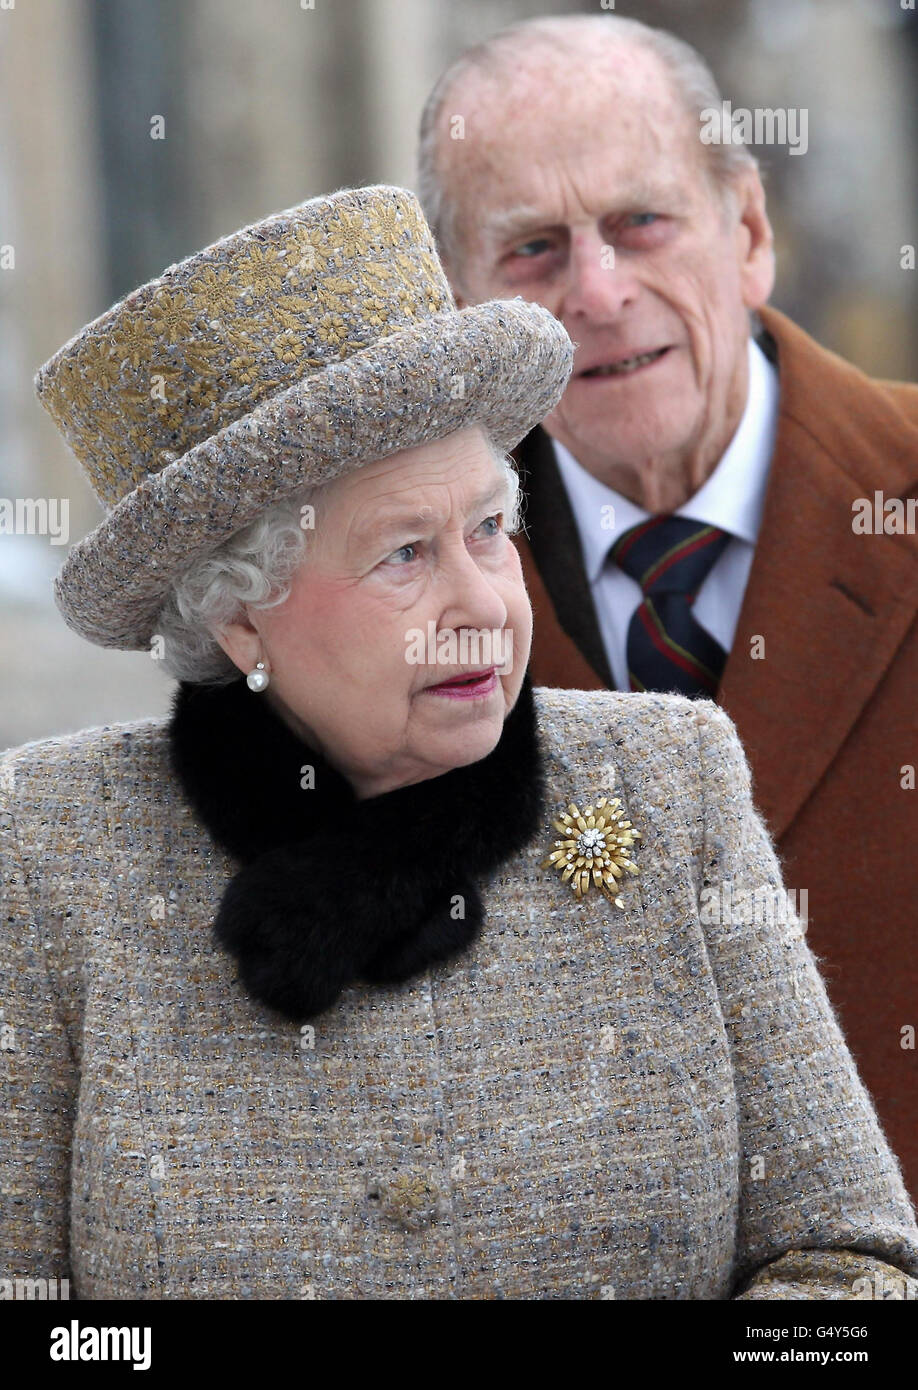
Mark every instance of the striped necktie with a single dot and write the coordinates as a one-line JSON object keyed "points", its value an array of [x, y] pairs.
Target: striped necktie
{"points": [[667, 648]]}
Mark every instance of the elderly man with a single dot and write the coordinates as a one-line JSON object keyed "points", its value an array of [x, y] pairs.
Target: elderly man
{"points": [[717, 505]]}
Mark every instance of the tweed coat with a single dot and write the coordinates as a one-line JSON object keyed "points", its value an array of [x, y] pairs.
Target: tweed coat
{"points": [[589, 1103], [828, 717]]}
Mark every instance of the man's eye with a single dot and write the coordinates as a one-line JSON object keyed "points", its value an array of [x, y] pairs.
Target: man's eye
{"points": [[498, 523], [531, 248], [642, 219]]}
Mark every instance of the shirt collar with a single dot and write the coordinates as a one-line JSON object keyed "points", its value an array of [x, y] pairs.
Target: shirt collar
{"points": [[732, 498]]}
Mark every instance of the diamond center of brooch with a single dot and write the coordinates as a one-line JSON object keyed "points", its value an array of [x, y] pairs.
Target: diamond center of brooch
{"points": [[591, 841]]}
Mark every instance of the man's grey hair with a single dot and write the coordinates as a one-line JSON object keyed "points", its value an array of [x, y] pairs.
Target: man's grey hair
{"points": [[562, 36], [254, 567]]}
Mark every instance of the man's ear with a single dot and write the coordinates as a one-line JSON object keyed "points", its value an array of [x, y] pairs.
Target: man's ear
{"points": [[754, 240], [453, 278], [461, 301]]}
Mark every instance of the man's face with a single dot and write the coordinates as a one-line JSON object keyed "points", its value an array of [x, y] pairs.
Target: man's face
{"points": [[592, 197]]}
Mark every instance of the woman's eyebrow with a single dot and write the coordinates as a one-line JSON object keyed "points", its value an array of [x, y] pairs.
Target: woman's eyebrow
{"points": [[400, 520]]}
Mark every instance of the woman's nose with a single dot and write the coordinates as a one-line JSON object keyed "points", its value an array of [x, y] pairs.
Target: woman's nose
{"points": [[470, 596]]}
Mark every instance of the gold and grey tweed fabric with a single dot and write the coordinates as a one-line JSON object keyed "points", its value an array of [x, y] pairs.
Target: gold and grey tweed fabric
{"points": [[286, 354], [592, 1103]]}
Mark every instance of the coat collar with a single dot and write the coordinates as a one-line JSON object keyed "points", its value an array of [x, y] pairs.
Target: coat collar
{"points": [[334, 889], [568, 648], [833, 606]]}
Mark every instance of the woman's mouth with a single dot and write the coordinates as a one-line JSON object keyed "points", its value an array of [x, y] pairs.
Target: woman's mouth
{"points": [[470, 686]]}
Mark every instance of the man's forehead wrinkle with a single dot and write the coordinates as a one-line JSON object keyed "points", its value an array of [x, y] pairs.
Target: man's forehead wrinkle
{"points": [[568, 125], [618, 136], [559, 191], [565, 170]]}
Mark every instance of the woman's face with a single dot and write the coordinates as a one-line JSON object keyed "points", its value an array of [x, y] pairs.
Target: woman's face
{"points": [[408, 558]]}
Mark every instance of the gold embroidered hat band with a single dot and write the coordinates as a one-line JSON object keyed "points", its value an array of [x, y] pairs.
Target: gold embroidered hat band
{"points": [[286, 354]]}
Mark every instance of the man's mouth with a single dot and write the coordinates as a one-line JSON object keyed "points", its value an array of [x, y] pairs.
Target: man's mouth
{"points": [[625, 365]]}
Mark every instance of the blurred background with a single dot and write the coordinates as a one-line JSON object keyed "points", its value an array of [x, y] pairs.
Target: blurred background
{"points": [[268, 104]]}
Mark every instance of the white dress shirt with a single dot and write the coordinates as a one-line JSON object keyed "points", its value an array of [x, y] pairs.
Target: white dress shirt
{"points": [[731, 498]]}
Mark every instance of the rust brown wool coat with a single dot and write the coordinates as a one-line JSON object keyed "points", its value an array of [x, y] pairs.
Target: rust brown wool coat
{"points": [[829, 718]]}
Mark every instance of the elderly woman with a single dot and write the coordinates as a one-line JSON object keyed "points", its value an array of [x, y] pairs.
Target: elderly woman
{"points": [[373, 971]]}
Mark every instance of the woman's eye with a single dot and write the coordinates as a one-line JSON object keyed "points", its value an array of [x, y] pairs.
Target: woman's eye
{"points": [[401, 551], [406, 554], [642, 219]]}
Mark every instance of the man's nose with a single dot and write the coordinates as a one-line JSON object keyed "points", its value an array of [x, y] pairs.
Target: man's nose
{"points": [[599, 286]]}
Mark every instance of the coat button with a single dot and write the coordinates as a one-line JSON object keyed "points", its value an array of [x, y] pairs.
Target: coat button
{"points": [[410, 1197]]}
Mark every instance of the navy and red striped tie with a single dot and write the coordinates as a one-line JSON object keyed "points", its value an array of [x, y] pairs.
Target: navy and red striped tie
{"points": [[667, 648]]}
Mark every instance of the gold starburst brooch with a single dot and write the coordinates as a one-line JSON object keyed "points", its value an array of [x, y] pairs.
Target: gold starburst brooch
{"points": [[596, 849]]}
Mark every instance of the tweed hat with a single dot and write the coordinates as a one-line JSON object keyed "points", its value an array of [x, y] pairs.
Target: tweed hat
{"points": [[286, 354]]}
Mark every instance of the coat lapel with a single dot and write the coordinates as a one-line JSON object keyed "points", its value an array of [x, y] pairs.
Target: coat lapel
{"points": [[568, 649], [832, 605]]}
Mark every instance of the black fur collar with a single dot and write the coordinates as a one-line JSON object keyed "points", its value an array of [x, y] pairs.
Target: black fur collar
{"points": [[334, 889]]}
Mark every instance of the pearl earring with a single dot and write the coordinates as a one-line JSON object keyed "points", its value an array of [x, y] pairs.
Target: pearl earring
{"points": [[259, 678]]}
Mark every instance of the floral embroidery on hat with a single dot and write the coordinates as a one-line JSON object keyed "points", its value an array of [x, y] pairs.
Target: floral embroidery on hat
{"points": [[292, 350]]}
